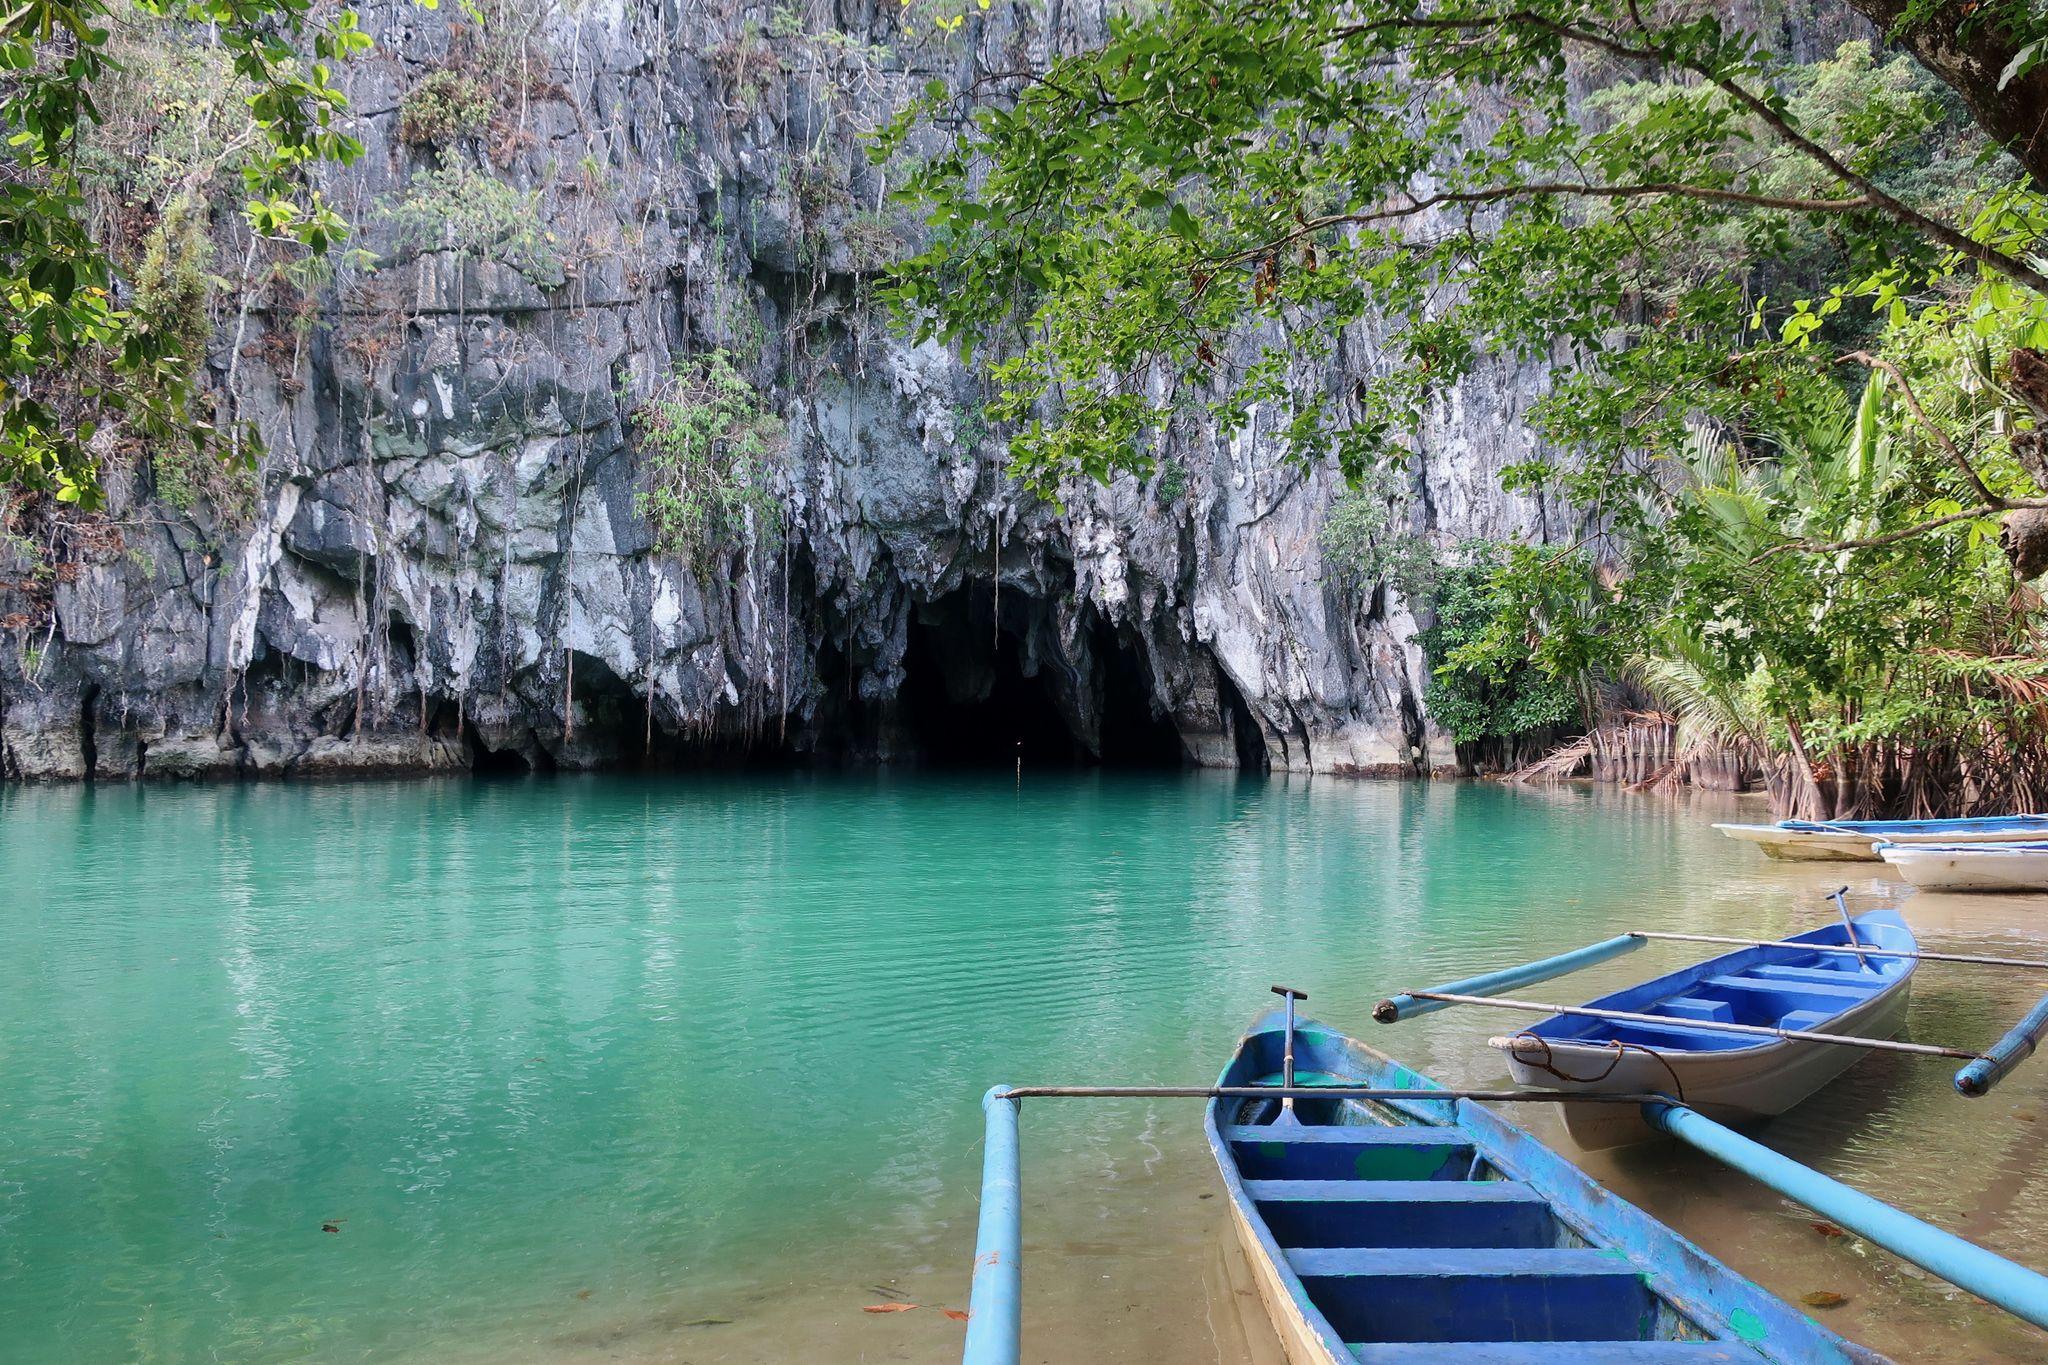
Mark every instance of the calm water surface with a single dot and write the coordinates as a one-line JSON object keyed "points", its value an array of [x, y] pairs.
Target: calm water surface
{"points": [[688, 1069]]}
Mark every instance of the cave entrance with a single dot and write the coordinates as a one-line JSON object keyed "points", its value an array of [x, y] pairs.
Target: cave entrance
{"points": [[976, 695]]}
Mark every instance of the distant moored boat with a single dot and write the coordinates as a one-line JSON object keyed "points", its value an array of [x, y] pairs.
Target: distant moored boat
{"points": [[1412, 1232], [1854, 840], [1970, 867]]}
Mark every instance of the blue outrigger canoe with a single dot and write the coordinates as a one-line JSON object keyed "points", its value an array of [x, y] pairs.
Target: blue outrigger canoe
{"points": [[1412, 1232], [1814, 983]]}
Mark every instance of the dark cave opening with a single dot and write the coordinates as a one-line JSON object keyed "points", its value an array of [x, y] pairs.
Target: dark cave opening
{"points": [[973, 695], [1246, 738], [506, 762]]}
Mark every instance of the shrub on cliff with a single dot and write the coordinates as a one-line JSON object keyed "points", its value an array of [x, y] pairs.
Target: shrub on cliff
{"points": [[444, 106], [709, 455], [460, 208]]}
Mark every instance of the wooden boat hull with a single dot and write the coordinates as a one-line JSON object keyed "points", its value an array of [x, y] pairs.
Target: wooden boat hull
{"points": [[1970, 867], [1433, 1231], [1728, 1077], [1803, 846], [1299, 1339]]}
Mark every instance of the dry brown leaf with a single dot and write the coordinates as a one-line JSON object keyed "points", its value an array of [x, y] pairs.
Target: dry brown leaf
{"points": [[888, 1308], [1823, 1298], [1827, 1229], [955, 1314]]}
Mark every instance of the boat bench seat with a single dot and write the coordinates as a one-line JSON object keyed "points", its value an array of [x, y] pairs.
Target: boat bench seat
{"points": [[1794, 993], [1806, 1020], [1554, 1353], [1404, 1213], [1692, 1007], [1346, 1152], [1485, 1294], [1852, 976], [1677, 1037]]}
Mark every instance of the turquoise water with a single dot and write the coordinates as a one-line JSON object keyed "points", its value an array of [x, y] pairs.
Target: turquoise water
{"points": [[370, 1071]]}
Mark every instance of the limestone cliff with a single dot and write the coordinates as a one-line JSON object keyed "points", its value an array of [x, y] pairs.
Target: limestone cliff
{"points": [[444, 562]]}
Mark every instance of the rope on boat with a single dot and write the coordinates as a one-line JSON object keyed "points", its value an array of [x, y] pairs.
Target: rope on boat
{"points": [[1547, 1061]]}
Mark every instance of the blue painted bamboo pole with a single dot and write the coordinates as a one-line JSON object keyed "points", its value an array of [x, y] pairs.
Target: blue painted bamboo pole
{"points": [[995, 1303], [1493, 983], [1976, 1079], [2011, 1286]]}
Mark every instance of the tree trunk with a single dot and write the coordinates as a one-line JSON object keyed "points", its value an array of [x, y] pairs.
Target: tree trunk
{"points": [[1970, 55]]}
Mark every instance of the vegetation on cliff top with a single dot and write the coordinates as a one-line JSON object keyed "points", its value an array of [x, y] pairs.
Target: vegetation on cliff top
{"points": [[76, 347]]}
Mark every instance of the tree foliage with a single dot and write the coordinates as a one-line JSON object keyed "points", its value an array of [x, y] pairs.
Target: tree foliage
{"points": [[1477, 689], [1710, 244], [76, 348], [1273, 176]]}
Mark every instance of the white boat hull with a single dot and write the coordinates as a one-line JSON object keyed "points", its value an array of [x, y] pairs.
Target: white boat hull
{"points": [[1970, 869], [1732, 1087]]}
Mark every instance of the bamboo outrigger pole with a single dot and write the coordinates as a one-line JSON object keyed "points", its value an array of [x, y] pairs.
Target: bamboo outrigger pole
{"points": [[1411, 1003]]}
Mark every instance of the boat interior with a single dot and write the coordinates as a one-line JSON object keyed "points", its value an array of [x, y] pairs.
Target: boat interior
{"points": [[1769, 987], [1414, 1247]]}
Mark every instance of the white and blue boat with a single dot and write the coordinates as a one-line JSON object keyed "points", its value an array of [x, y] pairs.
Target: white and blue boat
{"points": [[1430, 1231], [1856, 840], [1969, 867], [1721, 1035]]}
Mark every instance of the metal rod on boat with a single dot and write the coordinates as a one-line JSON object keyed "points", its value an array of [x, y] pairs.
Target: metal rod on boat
{"points": [[1840, 896], [1412, 1003], [995, 1333], [1308, 1092], [2011, 1286], [1671, 1021], [1975, 1080], [1969, 959], [1290, 995]]}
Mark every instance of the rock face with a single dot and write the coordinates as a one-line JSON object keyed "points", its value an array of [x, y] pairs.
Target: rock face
{"points": [[446, 564]]}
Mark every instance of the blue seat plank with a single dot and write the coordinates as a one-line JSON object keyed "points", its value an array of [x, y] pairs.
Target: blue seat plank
{"points": [[1350, 1153], [1423, 1263], [1555, 1353], [1854, 979], [1488, 1294], [1349, 1135], [1692, 1007], [1396, 1191], [1675, 1036], [1809, 990], [1404, 1213]]}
